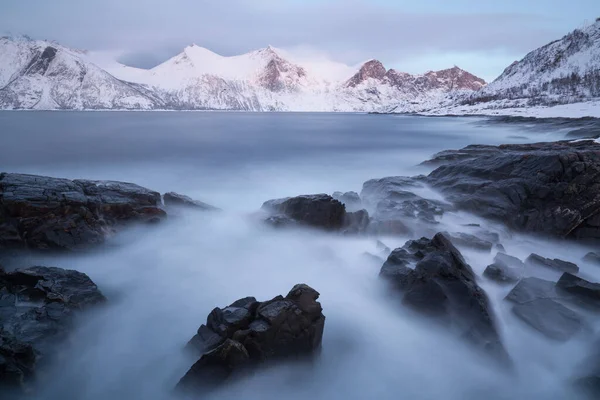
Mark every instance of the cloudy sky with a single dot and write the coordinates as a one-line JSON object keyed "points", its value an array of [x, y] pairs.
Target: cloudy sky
{"points": [[482, 36]]}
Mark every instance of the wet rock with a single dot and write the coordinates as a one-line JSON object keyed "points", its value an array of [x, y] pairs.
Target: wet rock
{"points": [[248, 333], [172, 199], [537, 304], [555, 264], [443, 285], [579, 287], [356, 222], [592, 258], [461, 239], [59, 214], [548, 188], [37, 307], [318, 210], [502, 273], [350, 199]]}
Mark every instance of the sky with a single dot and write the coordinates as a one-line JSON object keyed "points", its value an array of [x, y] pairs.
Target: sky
{"points": [[480, 36]]}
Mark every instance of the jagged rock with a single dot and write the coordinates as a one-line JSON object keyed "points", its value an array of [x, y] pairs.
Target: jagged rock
{"points": [[548, 188], [180, 200], [350, 199], [592, 258], [37, 306], [470, 241], [249, 333], [579, 287], [443, 285], [537, 305], [356, 222], [59, 214], [555, 264], [318, 210]]}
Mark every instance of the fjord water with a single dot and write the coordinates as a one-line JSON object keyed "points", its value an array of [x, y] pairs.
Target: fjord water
{"points": [[163, 281]]}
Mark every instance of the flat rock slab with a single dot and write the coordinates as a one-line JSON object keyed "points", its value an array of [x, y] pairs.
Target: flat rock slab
{"points": [[467, 240], [550, 318], [579, 287], [555, 264]]}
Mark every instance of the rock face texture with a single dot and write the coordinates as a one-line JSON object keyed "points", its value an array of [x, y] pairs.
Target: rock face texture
{"points": [[44, 213], [37, 307], [248, 333], [317, 210], [547, 188], [444, 286]]}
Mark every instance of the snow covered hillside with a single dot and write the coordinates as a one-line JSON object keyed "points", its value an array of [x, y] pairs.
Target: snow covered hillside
{"points": [[46, 75]]}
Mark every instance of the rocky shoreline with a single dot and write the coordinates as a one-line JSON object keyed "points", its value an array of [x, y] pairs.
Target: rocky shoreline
{"points": [[546, 189]]}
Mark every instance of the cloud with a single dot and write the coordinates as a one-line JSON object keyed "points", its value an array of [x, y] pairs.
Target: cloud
{"points": [[150, 31]]}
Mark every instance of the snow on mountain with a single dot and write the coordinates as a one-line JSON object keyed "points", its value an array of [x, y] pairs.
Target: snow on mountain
{"points": [[44, 75], [561, 72]]}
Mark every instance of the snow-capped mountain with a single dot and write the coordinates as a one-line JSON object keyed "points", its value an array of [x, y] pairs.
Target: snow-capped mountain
{"points": [[43, 75], [46, 75]]}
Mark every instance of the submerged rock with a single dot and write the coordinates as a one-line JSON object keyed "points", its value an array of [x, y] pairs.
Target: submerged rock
{"points": [[356, 222], [579, 287], [180, 200], [537, 305], [249, 333], [45, 213], [592, 258], [444, 286], [548, 188], [37, 306], [317, 210], [555, 264], [505, 269]]}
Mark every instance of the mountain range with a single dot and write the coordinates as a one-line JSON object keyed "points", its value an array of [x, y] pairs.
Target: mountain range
{"points": [[43, 75]]}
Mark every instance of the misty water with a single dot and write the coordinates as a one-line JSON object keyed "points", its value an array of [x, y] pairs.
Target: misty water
{"points": [[161, 282]]}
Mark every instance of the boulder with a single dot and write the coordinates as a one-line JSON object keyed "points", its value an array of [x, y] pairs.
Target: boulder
{"points": [[37, 307], [318, 210], [441, 284], [172, 199], [356, 222], [592, 258], [509, 261], [555, 264], [547, 188], [249, 333], [501, 273], [579, 287], [462, 239], [45, 213], [537, 304]]}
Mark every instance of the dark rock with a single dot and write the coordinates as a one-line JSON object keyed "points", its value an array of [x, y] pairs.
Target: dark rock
{"points": [[356, 222], [548, 188], [280, 221], [592, 258], [537, 305], [443, 285], [509, 261], [550, 318], [501, 273], [461, 239], [58, 214], [180, 200], [37, 307], [579, 286], [555, 264], [350, 199], [318, 210], [249, 333]]}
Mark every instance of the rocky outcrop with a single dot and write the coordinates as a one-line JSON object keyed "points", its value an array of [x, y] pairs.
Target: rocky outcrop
{"points": [[44, 213], [172, 199], [249, 333], [350, 199], [37, 307], [548, 188], [467, 240], [317, 211], [372, 69], [441, 284], [554, 264]]}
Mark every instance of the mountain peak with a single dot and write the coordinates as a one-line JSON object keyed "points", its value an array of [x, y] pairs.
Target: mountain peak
{"points": [[372, 69]]}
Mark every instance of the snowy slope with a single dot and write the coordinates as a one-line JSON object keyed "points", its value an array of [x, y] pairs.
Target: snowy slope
{"points": [[45, 76], [564, 71]]}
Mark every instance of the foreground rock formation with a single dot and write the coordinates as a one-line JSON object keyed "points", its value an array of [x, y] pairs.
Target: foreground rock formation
{"points": [[46, 213], [547, 188], [248, 333], [37, 307], [433, 279]]}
